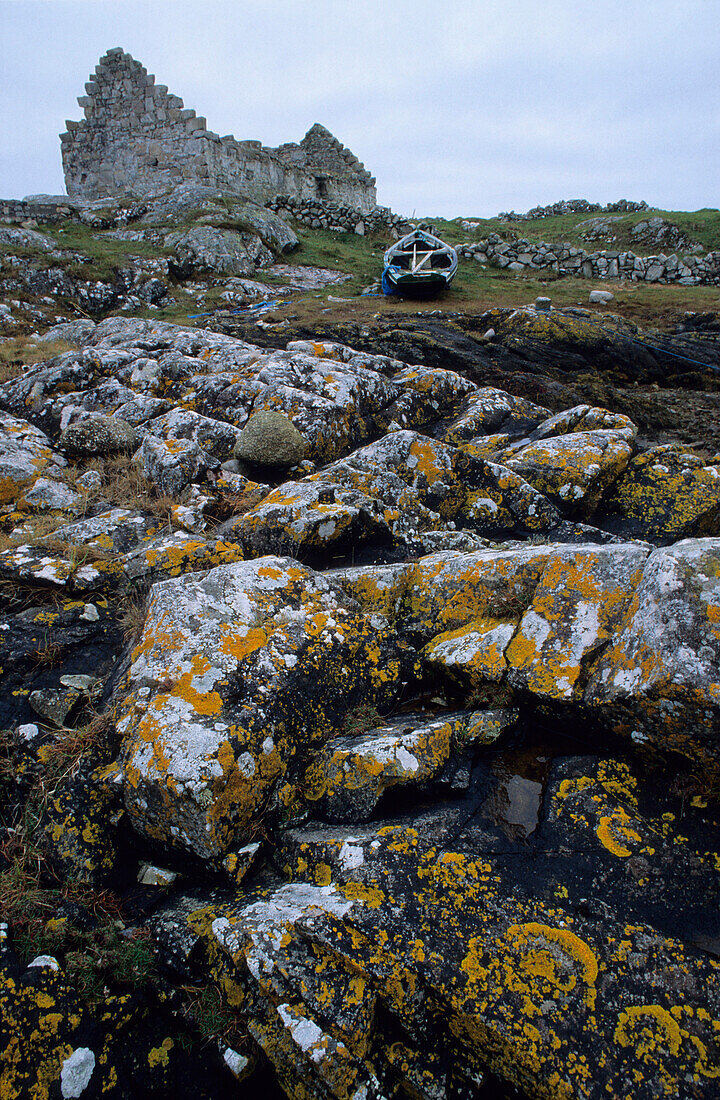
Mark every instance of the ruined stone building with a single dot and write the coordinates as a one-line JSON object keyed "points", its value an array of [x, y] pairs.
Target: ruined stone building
{"points": [[138, 138]]}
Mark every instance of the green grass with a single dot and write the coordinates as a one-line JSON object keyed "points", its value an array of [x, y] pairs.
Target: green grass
{"points": [[702, 226], [360, 257], [474, 290], [105, 253]]}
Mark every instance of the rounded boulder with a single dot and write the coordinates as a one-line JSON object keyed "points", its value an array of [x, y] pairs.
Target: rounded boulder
{"points": [[270, 439], [98, 435]]}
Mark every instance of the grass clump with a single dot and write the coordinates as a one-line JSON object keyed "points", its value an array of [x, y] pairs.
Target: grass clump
{"points": [[133, 612], [206, 1008], [19, 352], [360, 719]]}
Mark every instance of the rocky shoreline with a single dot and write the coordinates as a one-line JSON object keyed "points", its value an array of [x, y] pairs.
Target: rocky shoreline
{"points": [[399, 739]]}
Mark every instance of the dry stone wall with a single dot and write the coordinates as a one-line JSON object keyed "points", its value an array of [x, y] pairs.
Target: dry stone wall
{"points": [[20, 210], [574, 206], [136, 137], [567, 259], [329, 215]]}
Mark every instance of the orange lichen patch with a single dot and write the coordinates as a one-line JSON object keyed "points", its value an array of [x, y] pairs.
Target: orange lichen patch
{"points": [[576, 607], [614, 833], [474, 652], [701, 1033], [371, 896], [648, 1028], [536, 961], [149, 732], [172, 557], [159, 637], [569, 787], [450, 589], [323, 351], [270, 572], [374, 762], [573, 469], [160, 1055], [202, 702], [238, 795], [671, 492], [241, 646], [377, 588]]}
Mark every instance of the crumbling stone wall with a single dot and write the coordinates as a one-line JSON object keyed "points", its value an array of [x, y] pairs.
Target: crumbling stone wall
{"points": [[319, 214], [137, 137]]}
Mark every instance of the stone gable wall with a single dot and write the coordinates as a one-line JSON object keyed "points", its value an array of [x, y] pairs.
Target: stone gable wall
{"points": [[137, 137]]}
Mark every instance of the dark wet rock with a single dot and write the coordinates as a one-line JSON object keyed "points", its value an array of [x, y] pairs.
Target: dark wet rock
{"points": [[53, 1044], [523, 942], [42, 645], [172, 465], [668, 493]]}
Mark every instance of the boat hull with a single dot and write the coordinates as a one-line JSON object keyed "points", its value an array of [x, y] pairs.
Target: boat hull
{"points": [[419, 265], [414, 286]]}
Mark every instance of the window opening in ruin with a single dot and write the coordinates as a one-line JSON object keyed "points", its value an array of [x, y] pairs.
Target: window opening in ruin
{"points": [[321, 186]]}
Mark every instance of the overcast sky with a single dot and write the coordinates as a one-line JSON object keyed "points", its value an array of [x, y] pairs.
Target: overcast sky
{"points": [[456, 106]]}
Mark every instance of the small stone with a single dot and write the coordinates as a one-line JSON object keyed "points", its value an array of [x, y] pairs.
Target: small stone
{"points": [[49, 495], [237, 864], [76, 1072], [235, 1062], [543, 304], [89, 482], [28, 732], [84, 684], [150, 875], [53, 705], [43, 961], [600, 297]]}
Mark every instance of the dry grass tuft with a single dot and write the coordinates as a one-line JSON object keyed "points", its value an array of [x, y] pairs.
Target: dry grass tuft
{"points": [[19, 352], [125, 485], [133, 612], [62, 757], [29, 891], [47, 654]]}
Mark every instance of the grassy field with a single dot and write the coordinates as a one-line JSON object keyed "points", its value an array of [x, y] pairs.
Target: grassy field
{"points": [[702, 226], [475, 289]]}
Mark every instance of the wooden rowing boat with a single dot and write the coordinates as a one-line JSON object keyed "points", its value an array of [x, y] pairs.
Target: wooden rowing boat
{"points": [[418, 265]]}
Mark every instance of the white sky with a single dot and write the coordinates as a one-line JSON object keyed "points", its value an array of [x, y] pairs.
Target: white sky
{"points": [[457, 106]]}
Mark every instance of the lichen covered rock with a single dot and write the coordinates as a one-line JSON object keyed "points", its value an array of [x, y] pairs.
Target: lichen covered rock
{"points": [[25, 452], [270, 439], [573, 469], [662, 667], [669, 493], [238, 676], [422, 813], [98, 435], [533, 988]]}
